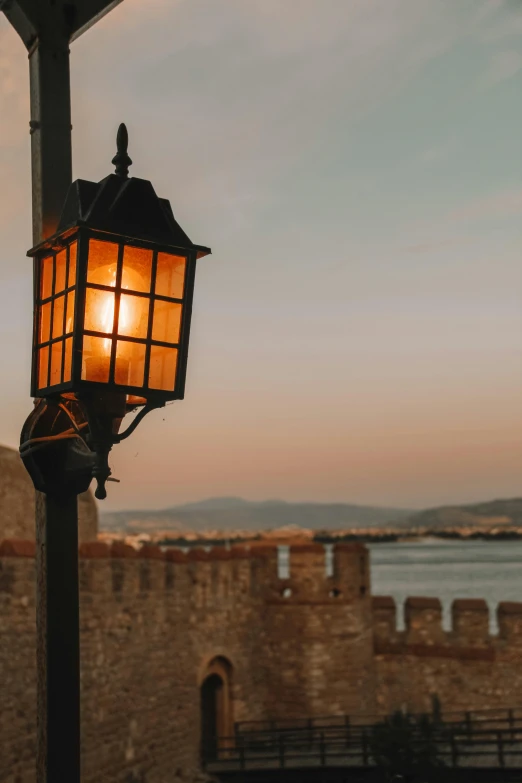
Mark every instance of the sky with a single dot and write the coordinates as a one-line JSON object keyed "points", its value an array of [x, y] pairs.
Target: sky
{"points": [[355, 166]]}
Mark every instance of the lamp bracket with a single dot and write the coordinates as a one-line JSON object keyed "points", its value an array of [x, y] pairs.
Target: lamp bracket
{"points": [[53, 448], [66, 443]]}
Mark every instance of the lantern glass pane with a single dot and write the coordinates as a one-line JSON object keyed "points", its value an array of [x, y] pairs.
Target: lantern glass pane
{"points": [[61, 271], [45, 323], [162, 368], [170, 275], [69, 320], [71, 280], [99, 310], [130, 363], [46, 288], [96, 359], [67, 367], [137, 269], [103, 262], [133, 317], [56, 363], [43, 367], [167, 321], [58, 312]]}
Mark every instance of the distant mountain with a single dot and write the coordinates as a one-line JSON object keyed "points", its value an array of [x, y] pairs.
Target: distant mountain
{"points": [[231, 513], [492, 513], [212, 504], [238, 514]]}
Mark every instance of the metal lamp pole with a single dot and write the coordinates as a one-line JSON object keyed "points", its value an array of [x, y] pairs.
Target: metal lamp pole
{"points": [[47, 27]]}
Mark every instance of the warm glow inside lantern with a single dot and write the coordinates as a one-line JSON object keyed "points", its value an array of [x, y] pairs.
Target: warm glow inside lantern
{"points": [[112, 313], [114, 292]]}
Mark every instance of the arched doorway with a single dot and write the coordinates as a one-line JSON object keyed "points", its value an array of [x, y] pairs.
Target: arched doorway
{"points": [[217, 721]]}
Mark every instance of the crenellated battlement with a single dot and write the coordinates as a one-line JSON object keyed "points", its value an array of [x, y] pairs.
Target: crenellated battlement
{"points": [[123, 569], [424, 634], [470, 621], [310, 581], [250, 571], [198, 576], [509, 616], [118, 549]]}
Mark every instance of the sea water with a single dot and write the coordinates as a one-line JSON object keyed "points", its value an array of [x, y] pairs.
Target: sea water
{"points": [[447, 570], [443, 569]]}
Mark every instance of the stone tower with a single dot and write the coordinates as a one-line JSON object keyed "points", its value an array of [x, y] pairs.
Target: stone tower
{"points": [[17, 502], [319, 636]]}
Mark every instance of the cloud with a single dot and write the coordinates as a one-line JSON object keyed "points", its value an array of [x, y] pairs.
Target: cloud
{"points": [[437, 152], [497, 20], [504, 203], [274, 25], [502, 66], [437, 244], [256, 83], [487, 9]]}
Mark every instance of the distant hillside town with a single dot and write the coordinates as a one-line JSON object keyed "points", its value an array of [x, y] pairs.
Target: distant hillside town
{"points": [[221, 519]]}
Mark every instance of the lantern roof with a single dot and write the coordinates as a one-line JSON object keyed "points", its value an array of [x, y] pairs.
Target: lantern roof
{"points": [[121, 205]]}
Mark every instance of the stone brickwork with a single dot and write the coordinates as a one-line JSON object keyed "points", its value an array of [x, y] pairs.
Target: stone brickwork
{"points": [[465, 668], [317, 635], [154, 624], [150, 624], [17, 502]]}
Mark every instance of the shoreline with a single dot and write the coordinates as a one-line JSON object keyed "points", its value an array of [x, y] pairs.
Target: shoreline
{"points": [[285, 537]]}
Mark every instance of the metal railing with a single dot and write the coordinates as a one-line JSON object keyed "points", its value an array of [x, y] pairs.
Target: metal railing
{"points": [[494, 741], [501, 717]]}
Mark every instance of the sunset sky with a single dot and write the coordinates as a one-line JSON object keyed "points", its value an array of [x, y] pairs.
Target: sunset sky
{"points": [[355, 166]]}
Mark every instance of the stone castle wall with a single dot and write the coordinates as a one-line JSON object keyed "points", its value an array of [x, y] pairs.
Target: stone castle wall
{"points": [[149, 625], [318, 637], [311, 645], [17, 497], [466, 668]]}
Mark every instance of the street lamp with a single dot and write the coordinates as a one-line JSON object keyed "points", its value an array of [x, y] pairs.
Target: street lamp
{"points": [[113, 288], [66, 439], [113, 291]]}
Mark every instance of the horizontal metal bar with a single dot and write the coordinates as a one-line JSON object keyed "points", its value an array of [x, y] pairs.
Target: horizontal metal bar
{"points": [[148, 244], [111, 289], [157, 397], [56, 295], [126, 338], [54, 340], [372, 718]]}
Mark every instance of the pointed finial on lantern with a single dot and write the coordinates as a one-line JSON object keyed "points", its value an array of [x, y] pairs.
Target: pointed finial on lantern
{"points": [[121, 160]]}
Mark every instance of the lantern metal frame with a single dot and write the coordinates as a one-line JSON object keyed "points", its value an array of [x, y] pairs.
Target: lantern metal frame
{"points": [[77, 385], [128, 213]]}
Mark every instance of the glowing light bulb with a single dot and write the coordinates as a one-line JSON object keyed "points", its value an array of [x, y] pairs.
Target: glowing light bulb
{"points": [[132, 320], [107, 319]]}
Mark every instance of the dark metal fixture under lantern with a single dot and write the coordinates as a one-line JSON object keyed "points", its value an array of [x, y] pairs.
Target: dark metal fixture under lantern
{"points": [[113, 300]]}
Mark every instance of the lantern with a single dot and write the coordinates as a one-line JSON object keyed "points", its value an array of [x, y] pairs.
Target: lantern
{"points": [[113, 300]]}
